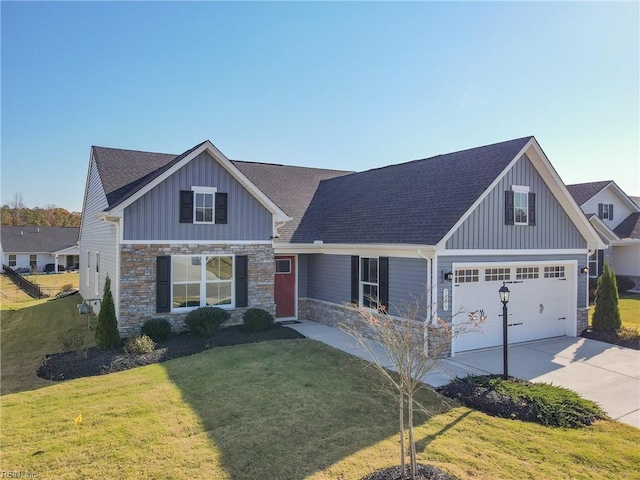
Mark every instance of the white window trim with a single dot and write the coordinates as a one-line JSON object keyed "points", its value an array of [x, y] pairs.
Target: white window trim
{"points": [[15, 260], [593, 272], [520, 189], [97, 273], [205, 190], [88, 267], [203, 283], [288, 260], [361, 282], [606, 211]]}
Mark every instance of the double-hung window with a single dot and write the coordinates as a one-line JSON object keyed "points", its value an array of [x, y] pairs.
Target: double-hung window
{"points": [[203, 199], [520, 206], [593, 264], [369, 282], [97, 273], [33, 261], [605, 211], [13, 260], [202, 280]]}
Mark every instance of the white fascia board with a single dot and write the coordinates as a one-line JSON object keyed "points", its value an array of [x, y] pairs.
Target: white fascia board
{"points": [[86, 191], [195, 242], [68, 250], [623, 196], [372, 249], [604, 229], [514, 251], [625, 242], [207, 146], [544, 168], [441, 244]]}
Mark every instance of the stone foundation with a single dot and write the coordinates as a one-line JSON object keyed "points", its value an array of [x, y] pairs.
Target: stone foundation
{"points": [[334, 315], [582, 320], [138, 281]]}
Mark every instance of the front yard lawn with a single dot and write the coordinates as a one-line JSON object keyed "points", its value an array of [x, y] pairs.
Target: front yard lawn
{"points": [[629, 310]]}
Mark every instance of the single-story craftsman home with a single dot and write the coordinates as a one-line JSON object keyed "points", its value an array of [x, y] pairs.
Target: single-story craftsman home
{"points": [[31, 248], [175, 232]]}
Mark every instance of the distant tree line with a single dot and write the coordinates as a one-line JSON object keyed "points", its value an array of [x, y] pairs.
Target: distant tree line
{"points": [[15, 213]]}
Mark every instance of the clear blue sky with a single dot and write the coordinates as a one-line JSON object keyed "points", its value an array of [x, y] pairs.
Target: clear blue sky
{"points": [[336, 85]]}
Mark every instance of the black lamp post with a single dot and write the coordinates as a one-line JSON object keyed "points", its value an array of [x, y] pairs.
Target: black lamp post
{"points": [[504, 298]]}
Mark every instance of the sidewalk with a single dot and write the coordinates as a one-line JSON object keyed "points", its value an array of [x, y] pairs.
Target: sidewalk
{"points": [[442, 374]]}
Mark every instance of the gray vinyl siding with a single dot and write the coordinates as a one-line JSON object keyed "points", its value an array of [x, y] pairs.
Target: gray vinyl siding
{"points": [[485, 228], [445, 265], [155, 216], [407, 283], [97, 236], [302, 275], [329, 278]]}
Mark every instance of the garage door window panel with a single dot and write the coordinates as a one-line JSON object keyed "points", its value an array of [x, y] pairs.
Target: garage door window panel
{"points": [[556, 271], [467, 275], [497, 274], [527, 273]]}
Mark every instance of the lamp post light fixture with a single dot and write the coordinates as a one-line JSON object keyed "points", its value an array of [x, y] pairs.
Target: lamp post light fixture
{"points": [[504, 298]]}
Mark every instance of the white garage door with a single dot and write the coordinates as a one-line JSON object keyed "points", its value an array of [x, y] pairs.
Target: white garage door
{"points": [[539, 304]]}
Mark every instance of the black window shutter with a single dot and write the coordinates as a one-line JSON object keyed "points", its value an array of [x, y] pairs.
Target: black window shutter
{"points": [[163, 284], [383, 284], [532, 209], [611, 211], [242, 281], [355, 279], [186, 206], [221, 208], [600, 213], [600, 261], [509, 218]]}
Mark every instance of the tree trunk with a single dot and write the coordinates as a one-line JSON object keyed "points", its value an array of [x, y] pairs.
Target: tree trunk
{"points": [[412, 442], [403, 464]]}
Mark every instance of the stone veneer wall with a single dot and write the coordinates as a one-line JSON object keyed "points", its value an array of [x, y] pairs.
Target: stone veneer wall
{"points": [[138, 281], [334, 315], [582, 320]]}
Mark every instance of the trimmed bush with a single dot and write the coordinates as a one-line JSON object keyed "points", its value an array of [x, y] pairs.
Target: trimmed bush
{"points": [[624, 283], [535, 402], [206, 321], [158, 329], [107, 334], [257, 320], [139, 345], [606, 314]]}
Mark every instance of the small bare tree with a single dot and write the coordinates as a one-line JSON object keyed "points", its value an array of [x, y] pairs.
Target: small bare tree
{"points": [[401, 342], [17, 206]]}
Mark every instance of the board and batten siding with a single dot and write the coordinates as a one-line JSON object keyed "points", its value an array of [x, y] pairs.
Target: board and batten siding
{"points": [[608, 196], [485, 228], [97, 236], [407, 283], [155, 216], [445, 264], [302, 275], [329, 278]]}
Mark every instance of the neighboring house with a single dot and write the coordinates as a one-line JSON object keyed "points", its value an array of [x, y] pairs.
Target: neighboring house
{"points": [[616, 218], [32, 247], [178, 232]]}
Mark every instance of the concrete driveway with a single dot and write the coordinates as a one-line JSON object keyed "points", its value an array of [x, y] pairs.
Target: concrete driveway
{"points": [[604, 373]]}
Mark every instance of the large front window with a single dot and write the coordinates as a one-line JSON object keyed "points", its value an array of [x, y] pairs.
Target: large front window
{"points": [[202, 280], [369, 282]]}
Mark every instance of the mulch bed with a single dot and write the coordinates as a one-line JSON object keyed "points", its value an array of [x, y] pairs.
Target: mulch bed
{"points": [[70, 365], [424, 472], [488, 400], [614, 338]]}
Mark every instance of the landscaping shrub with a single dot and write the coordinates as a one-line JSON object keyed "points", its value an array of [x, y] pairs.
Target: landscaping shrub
{"points": [[158, 329], [624, 283], [257, 320], [66, 288], [539, 402], [107, 335], [206, 321], [73, 342], [606, 314], [139, 345]]}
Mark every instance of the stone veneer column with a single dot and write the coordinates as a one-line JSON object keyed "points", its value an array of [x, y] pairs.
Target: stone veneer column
{"points": [[582, 320], [138, 281]]}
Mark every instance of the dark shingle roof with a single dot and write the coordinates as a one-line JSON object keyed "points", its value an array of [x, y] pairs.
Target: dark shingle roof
{"points": [[582, 192], [289, 187], [416, 202], [47, 239], [629, 227], [124, 172]]}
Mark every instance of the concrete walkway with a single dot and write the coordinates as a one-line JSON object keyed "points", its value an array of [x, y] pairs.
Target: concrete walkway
{"points": [[604, 373]]}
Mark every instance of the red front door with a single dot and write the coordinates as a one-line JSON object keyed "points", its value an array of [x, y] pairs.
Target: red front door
{"points": [[285, 287]]}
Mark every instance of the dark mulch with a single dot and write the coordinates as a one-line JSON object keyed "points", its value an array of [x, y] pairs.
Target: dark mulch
{"points": [[488, 400], [623, 338], [424, 472], [69, 365]]}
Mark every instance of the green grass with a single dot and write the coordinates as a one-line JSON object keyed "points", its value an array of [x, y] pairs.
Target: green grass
{"points": [[51, 283], [29, 331], [291, 409], [629, 305]]}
